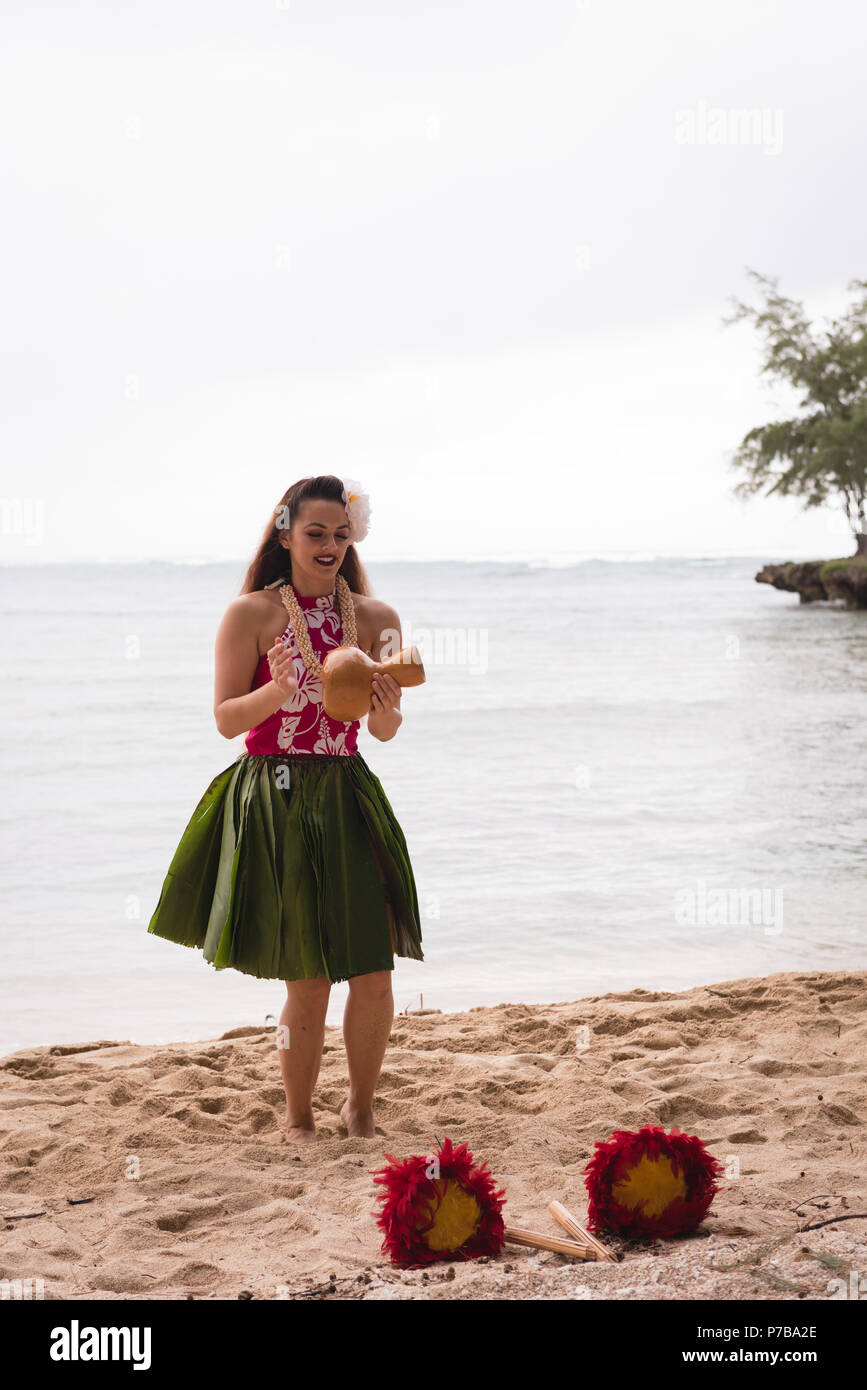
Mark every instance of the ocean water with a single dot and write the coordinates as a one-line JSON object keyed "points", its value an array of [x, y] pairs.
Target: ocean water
{"points": [[616, 775]]}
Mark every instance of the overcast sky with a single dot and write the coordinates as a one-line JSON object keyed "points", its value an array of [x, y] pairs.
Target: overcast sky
{"points": [[475, 255]]}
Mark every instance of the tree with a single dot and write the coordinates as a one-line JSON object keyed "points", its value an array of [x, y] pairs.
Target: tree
{"points": [[820, 454]]}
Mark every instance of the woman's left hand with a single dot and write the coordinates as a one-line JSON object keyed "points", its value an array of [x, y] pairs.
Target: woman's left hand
{"points": [[384, 693]]}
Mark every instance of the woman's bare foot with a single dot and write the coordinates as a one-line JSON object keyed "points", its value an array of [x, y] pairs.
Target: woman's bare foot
{"points": [[358, 1121], [302, 1133]]}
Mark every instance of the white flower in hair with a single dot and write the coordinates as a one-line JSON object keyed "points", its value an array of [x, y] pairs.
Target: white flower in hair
{"points": [[357, 509]]}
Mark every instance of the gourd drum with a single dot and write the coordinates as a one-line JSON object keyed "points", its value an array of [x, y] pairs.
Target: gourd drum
{"points": [[347, 674]]}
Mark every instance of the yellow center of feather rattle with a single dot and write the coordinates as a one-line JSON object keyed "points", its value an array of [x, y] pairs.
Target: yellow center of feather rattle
{"points": [[457, 1216], [651, 1181]]}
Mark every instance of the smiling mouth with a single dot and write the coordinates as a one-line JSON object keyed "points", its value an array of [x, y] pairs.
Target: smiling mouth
{"points": [[326, 561]]}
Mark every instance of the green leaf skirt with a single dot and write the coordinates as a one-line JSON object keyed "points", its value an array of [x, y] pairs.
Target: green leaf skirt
{"points": [[293, 867]]}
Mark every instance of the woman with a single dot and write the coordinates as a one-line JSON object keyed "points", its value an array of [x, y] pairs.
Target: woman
{"points": [[293, 865]]}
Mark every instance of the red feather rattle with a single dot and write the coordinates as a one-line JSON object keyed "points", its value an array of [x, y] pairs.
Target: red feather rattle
{"points": [[441, 1206], [649, 1183]]}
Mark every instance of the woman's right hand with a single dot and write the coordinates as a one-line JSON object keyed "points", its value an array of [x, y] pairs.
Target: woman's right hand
{"points": [[282, 669]]}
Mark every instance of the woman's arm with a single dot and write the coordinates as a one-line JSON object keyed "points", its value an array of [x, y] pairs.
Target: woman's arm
{"points": [[384, 717], [237, 708]]}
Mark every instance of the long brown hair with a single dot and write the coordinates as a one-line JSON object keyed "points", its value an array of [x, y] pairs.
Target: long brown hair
{"points": [[273, 559]]}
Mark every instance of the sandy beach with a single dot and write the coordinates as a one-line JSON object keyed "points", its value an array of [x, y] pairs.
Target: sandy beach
{"points": [[158, 1172]]}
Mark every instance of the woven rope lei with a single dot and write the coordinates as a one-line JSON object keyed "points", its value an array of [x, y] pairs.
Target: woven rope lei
{"points": [[302, 632]]}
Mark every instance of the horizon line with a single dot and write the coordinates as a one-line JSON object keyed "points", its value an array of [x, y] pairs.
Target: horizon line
{"points": [[541, 562]]}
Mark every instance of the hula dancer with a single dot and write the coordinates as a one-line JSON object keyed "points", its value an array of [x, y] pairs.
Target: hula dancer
{"points": [[293, 866]]}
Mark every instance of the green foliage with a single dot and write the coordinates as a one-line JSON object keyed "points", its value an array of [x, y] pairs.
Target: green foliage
{"points": [[819, 455], [831, 566]]}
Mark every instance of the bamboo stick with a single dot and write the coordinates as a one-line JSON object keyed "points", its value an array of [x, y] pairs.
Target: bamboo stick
{"points": [[567, 1220], [519, 1236]]}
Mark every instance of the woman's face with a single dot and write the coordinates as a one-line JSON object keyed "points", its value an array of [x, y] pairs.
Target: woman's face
{"points": [[318, 532]]}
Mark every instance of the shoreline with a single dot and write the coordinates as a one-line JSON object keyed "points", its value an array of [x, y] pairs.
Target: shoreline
{"points": [[446, 1010], [158, 1171]]}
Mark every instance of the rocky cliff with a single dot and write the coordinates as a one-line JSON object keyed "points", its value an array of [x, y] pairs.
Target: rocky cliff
{"points": [[814, 580]]}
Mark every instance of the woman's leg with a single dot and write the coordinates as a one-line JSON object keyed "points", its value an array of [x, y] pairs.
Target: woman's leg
{"points": [[299, 1043], [367, 1022]]}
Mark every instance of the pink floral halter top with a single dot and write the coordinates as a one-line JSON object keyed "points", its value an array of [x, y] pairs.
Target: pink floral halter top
{"points": [[302, 725]]}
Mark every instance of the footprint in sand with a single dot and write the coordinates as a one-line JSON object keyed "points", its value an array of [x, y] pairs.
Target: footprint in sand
{"points": [[192, 1274], [212, 1105], [259, 1119], [689, 1108], [117, 1277], [183, 1217], [536, 1059], [121, 1093], [196, 1120]]}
